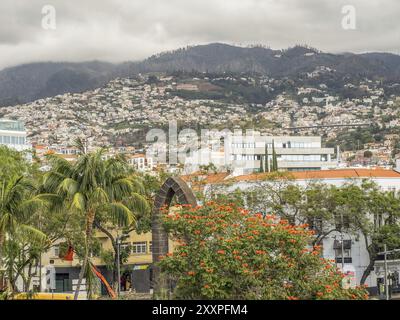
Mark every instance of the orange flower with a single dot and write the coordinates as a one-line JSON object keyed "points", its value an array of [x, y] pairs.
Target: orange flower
{"points": [[191, 273], [320, 294], [206, 286], [221, 251], [293, 298], [197, 232]]}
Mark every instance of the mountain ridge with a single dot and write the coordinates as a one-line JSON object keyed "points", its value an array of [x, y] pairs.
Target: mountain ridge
{"points": [[32, 81]]}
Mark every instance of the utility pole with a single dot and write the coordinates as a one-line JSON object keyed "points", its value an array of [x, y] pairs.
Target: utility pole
{"points": [[118, 266], [40, 271], [386, 274]]}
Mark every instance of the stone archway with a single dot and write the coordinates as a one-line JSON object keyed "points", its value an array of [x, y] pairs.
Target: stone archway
{"points": [[173, 186]]}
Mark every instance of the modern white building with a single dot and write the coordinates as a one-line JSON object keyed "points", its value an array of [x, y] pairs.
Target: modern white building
{"points": [[242, 154], [294, 153], [13, 135]]}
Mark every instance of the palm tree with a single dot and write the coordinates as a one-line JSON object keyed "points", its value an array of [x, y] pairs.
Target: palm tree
{"points": [[17, 204], [95, 187]]}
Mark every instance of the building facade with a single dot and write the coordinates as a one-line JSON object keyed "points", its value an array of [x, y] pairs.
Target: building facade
{"points": [[58, 274], [14, 135], [243, 154]]}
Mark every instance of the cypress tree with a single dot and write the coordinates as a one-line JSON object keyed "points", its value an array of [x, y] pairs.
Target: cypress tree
{"points": [[267, 167], [261, 164], [274, 159]]}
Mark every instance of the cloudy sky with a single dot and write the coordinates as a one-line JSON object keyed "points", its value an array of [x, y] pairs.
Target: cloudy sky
{"points": [[120, 30]]}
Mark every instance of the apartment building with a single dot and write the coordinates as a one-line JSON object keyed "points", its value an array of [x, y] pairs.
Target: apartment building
{"points": [[294, 153]]}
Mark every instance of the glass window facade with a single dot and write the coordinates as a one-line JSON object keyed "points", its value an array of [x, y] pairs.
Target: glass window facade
{"points": [[11, 125], [8, 139]]}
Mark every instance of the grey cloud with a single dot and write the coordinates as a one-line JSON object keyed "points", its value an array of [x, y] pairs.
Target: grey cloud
{"points": [[119, 30]]}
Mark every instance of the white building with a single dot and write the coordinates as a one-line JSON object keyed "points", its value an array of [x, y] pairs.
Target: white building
{"points": [[204, 157], [355, 253], [13, 135], [294, 153], [141, 162]]}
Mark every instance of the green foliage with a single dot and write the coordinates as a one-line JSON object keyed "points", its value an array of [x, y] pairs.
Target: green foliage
{"points": [[12, 163], [224, 252], [367, 211], [96, 192]]}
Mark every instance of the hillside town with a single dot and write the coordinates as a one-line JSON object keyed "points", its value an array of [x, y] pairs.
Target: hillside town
{"points": [[119, 115]]}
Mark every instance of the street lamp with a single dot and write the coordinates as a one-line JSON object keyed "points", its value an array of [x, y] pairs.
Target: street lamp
{"points": [[341, 240], [341, 236], [118, 240]]}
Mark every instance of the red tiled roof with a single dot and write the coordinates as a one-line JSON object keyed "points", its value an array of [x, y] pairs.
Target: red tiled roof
{"points": [[199, 178], [327, 174]]}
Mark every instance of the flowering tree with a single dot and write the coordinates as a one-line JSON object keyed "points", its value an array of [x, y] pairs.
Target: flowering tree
{"points": [[224, 252]]}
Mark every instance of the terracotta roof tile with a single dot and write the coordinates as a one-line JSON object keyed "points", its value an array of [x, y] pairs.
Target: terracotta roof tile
{"points": [[198, 178], [328, 174]]}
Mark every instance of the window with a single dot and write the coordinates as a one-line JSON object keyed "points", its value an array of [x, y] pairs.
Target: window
{"points": [[125, 247], [139, 247], [56, 251], [337, 245], [347, 256], [338, 222]]}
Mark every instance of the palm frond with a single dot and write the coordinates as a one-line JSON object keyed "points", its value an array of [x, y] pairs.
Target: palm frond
{"points": [[78, 202], [138, 203], [99, 196], [32, 233], [68, 185], [8, 223], [120, 214]]}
